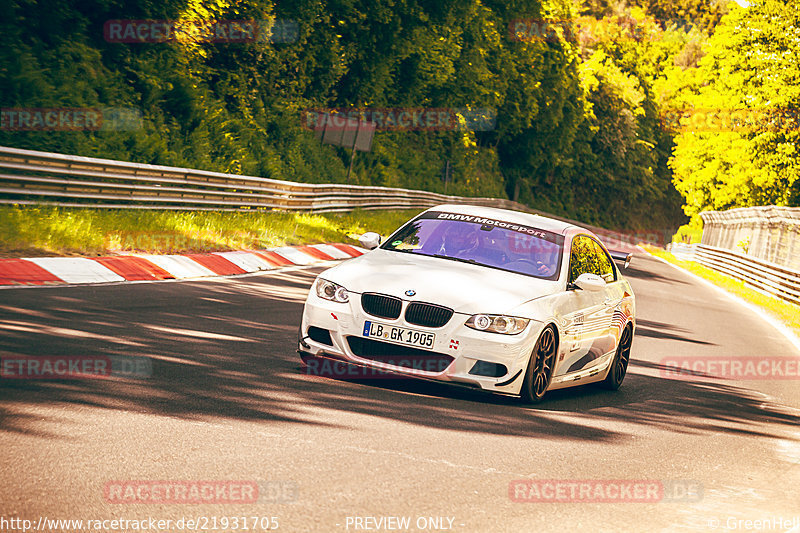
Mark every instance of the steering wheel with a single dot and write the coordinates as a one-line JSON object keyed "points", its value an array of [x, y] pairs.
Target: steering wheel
{"points": [[537, 265]]}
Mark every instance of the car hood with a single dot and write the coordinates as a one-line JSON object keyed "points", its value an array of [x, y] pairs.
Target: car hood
{"points": [[463, 287]]}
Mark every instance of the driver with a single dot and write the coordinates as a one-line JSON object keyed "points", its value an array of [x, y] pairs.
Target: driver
{"points": [[459, 240], [545, 266], [531, 255], [544, 259]]}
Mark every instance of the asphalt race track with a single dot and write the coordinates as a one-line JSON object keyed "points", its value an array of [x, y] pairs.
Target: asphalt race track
{"points": [[228, 400]]}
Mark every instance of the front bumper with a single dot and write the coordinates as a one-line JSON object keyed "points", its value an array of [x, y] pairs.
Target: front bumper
{"points": [[458, 352]]}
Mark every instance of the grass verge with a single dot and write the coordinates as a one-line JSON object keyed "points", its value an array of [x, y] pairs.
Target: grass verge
{"points": [[52, 231], [785, 312]]}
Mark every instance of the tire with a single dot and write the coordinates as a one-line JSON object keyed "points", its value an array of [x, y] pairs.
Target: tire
{"points": [[540, 367], [619, 366]]}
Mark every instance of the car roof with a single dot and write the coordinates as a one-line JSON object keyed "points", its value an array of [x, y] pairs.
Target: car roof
{"points": [[518, 217]]}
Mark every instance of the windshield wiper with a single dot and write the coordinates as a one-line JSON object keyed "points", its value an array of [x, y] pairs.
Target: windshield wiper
{"points": [[469, 261]]}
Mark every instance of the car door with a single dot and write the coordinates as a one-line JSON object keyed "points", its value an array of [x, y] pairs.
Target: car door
{"points": [[589, 315], [606, 340]]}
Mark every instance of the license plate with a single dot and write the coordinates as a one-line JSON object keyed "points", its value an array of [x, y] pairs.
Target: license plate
{"points": [[410, 337]]}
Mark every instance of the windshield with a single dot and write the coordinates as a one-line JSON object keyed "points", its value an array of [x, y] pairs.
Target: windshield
{"points": [[481, 241]]}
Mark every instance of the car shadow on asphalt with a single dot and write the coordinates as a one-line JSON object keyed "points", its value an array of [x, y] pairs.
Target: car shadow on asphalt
{"points": [[226, 349], [635, 270], [661, 330]]}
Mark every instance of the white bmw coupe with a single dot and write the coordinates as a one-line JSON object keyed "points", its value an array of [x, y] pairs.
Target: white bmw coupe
{"points": [[498, 300]]}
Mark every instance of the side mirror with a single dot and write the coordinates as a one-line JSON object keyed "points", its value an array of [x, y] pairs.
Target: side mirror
{"points": [[621, 257], [370, 240], [590, 282]]}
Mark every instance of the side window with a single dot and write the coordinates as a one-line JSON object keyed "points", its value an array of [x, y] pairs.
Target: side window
{"points": [[581, 258], [605, 267], [586, 255]]}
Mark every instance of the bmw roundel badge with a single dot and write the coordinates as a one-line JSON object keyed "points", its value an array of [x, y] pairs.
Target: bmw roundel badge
{"points": [[411, 292]]}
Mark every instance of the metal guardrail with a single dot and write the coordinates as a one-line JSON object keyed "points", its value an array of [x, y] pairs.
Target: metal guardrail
{"points": [[44, 178], [32, 177], [683, 251], [767, 276], [771, 233]]}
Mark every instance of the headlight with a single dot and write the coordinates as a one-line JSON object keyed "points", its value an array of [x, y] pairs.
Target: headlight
{"points": [[331, 291], [508, 325]]}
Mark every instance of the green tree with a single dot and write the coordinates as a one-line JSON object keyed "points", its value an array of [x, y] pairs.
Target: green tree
{"points": [[752, 64]]}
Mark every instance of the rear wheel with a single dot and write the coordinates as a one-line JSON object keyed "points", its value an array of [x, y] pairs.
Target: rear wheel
{"points": [[620, 364], [540, 367]]}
